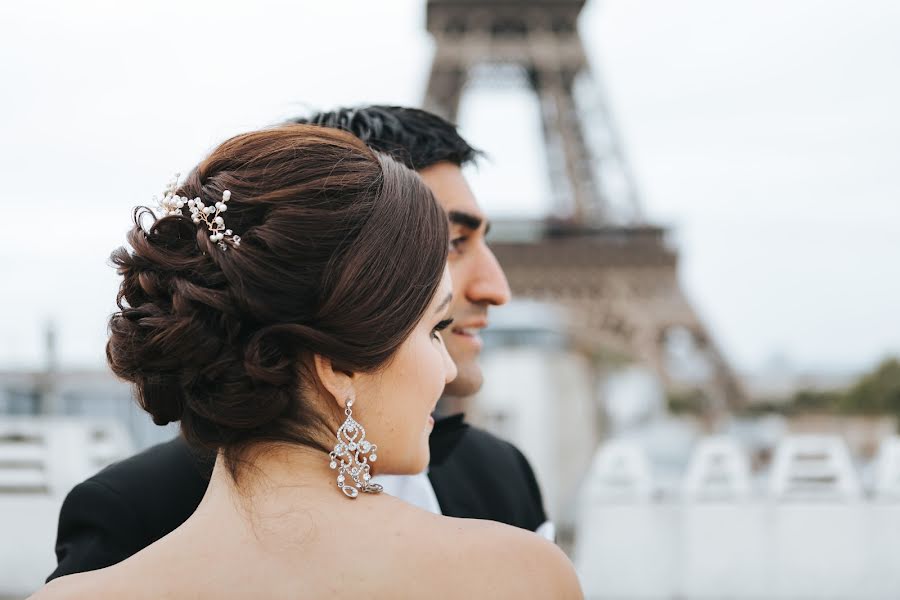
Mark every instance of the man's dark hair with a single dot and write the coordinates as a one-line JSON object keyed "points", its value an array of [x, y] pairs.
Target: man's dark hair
{"points": [[412, 136]]}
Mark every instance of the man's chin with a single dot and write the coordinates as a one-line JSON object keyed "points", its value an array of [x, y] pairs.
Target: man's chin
{"points": [[467, 383]]}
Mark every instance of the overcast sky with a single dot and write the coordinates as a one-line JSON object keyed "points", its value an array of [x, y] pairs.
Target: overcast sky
{"points": [[767, 133]]}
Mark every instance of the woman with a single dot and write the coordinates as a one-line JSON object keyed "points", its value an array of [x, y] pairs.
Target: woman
{"points": [[287, 311]]}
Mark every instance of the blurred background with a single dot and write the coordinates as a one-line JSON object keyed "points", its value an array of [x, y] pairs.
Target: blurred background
{"points": [[695, 202]]}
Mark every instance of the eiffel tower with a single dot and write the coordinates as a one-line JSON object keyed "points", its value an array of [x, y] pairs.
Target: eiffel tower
{"points": [[596, 255]]}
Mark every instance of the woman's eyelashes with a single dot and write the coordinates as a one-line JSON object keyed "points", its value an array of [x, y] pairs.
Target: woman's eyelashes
{"points": [[440, 327]]}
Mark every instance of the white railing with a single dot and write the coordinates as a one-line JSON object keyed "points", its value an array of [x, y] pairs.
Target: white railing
{"points": [[887, 470], [810, 532], [41, 459], [620, 472], [718, 470], [813, 467]]}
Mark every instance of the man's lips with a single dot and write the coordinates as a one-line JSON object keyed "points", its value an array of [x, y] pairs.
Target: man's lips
{"points": [[467, 334], [470, 329]]}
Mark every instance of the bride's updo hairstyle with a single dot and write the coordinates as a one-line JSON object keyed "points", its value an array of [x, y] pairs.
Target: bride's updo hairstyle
{"points": [[341, 252]]}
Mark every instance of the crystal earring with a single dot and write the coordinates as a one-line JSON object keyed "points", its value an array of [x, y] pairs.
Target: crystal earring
{"points": [[351, 455]]}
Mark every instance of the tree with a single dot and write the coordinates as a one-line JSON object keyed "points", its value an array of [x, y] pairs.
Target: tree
{"points": [[877, 392]]}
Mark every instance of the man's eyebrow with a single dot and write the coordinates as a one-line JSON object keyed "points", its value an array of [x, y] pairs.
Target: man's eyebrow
{"points": [[444, 303], [465, 219]]}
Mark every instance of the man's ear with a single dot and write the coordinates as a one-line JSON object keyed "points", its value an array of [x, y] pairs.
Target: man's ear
{"points": [[336, 382]]}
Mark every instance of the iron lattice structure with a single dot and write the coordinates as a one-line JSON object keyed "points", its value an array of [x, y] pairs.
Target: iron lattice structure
{"points": [[596, 256]]}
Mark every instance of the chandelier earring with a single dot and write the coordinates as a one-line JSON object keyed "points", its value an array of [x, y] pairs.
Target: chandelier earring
{"points": [[352, 456]]}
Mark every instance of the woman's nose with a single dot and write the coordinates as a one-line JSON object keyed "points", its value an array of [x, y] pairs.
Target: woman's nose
{"points": [[450, 370]]}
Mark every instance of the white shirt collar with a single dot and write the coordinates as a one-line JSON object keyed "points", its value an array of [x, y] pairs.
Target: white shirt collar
{"points": [[414, 489]]}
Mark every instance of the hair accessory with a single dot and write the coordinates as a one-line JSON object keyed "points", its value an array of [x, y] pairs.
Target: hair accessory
{"points": [[172, 204], [351, 450]]}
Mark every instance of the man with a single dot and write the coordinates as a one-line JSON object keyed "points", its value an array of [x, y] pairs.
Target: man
{"points": [[472, 474]]}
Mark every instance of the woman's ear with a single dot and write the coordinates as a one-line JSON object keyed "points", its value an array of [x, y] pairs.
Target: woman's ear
{"points": [[336, 382]]}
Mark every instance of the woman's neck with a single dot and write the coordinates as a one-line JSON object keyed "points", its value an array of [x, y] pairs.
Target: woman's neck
{"points": [[271, 476]]}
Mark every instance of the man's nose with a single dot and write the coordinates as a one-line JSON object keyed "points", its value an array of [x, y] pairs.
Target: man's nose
{"points": [[487, 284]]}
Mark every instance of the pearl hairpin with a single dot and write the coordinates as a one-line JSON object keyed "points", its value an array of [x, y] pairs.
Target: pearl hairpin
{"points": [[211, 216]]}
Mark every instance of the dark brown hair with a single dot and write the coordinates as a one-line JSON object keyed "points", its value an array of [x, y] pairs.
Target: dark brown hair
{"points": [[342, 250]]}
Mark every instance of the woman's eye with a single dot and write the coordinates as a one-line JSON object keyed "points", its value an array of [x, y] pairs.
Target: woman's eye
{"points": [[440, 327]]}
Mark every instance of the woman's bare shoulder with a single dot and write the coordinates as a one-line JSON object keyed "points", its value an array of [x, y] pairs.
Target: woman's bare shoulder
{"points": [[93, 584], [498, 561]]}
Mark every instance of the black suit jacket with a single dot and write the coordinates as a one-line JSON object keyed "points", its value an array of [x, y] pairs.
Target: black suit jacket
{"points": [[131, 504]]}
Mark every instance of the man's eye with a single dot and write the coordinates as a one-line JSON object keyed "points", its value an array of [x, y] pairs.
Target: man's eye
{"points": [[455, 243]]}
